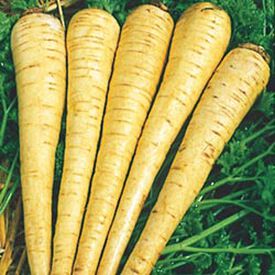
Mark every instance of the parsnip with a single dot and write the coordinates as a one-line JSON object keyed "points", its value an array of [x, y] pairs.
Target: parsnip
{"points": [[39, 56], [91, 42], [237, 82]]}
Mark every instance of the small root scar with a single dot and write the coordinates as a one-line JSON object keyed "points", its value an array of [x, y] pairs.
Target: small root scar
{"points": [[171, 215], [135, 271], [206, 155], [206, 9]]}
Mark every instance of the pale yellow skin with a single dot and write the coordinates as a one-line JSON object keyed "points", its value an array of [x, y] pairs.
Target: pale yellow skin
{"points": [[39, 56], [228, 97], [91, 42], [138, 65], [200, 39]]}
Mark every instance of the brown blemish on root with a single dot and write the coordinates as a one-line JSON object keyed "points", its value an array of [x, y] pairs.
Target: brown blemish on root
{"points": [[213, 7], [135, 271], [182, 148], [206, 9]]}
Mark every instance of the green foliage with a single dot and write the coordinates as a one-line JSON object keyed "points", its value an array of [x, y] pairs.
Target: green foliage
{"points": [[249, 23], [236, 205], [19, 5], [8, 111], [116, 7]]}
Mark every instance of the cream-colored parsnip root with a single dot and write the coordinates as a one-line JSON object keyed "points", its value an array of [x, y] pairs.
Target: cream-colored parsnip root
{"points": [[91, 42], [231, 92], [39, 56], [200, 39], [138, 65]]}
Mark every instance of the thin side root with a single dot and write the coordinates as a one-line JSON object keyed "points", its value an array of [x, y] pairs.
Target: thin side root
{"points": [[60, 11]]}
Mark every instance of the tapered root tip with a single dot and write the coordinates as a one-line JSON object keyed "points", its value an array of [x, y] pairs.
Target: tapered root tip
{"points": [[32, 11], [258, 49]]}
